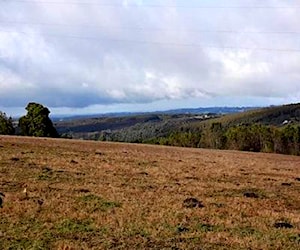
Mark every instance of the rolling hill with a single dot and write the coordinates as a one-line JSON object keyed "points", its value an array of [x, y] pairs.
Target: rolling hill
{"points": [[69, 194], [134, 128], [274, 115], [152, 126]]}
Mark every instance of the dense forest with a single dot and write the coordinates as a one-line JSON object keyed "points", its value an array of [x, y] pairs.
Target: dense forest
{"points": [[252, 137]]}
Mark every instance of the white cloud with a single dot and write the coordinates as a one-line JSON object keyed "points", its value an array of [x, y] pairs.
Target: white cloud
{"points": [[75, 55]]}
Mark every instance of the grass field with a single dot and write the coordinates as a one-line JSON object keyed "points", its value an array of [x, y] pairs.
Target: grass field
{"points": [[67, 194]]}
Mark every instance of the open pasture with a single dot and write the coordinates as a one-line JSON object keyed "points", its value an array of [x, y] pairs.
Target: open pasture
{"points": [[68, 194]]}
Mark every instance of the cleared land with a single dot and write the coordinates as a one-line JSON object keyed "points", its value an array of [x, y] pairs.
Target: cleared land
{"points": [[92, 195]]}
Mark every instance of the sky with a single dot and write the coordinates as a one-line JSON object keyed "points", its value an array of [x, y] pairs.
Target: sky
{"points": [[89, 56]]}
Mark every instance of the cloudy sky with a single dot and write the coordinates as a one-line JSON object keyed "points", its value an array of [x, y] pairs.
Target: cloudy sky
{"points": [[96, 56]]}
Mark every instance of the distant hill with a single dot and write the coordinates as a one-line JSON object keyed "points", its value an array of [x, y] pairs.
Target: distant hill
{"points": [[134, 128], [201, 110], [274, 129], [274, 115], [207, 110], [148, 127]]}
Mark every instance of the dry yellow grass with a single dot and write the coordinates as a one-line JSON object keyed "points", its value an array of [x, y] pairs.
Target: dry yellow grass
{"points": [[90, 195]]}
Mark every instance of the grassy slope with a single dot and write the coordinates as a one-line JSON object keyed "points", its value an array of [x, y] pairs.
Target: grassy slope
{"points": [[89, 195], [269, 116]]}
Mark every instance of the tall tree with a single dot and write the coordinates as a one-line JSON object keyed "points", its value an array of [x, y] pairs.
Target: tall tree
{"points": [[37, 122], [6, 125]]}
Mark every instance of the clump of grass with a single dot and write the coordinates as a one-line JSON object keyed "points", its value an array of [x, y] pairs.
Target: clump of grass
{"points": [[47, 174], [218, 204], [23, 234], [295, 238], [147, 163], [246, 232], [75, 226], [203, 227], [136, 230], [25, 243], [95, 203], [246, 192]]}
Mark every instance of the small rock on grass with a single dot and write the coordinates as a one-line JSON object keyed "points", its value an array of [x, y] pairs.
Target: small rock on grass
{"points": [[251, 195], [83, 190], [192, 203], [182, 229], [1, 199], [283, 225]]}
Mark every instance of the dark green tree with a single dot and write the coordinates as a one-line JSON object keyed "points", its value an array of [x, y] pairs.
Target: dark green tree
{"points": [[290, 138], [37, 122], [6, 125], [244, 137]]}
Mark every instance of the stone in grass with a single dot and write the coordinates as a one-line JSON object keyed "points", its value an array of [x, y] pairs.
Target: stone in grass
{"points": [[286, 184], [1, 199], [181, 229], [251, 195], [192, 203], [46, 169], [283, 224], [84, 190]]}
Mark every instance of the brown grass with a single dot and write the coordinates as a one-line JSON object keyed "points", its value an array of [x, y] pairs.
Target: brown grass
{"points": [[90, 195]]}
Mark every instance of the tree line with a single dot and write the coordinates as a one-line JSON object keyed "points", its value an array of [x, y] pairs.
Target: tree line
{"points": [[245, 137]]}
